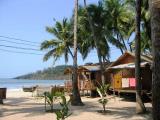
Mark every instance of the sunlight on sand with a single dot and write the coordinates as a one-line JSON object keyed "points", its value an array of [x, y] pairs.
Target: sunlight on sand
{"points": [[20, 105]]}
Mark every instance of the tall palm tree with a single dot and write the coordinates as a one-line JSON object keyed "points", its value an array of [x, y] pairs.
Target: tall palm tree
{"points": [[95, 16], [62, 43], [94, 20], [76, 99], [121, 19], [145, 26], [155, 30], [140, 108]]}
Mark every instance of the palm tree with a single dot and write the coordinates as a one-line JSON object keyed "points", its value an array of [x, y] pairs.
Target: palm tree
{"points": [[97, 32], [62, 43], [155, 30], [120, 20], [140, 108], [94, 21], [76, 99], [145, 25]]}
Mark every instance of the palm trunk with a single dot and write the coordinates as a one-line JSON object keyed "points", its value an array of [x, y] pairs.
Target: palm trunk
{"points": [[155, 36], [123, 41], [120, 42], [76, 99], [96, 44], [140, 108], [101, 66]]}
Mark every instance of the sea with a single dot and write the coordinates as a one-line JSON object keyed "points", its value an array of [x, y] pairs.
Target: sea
{"points": [[16, 84]]}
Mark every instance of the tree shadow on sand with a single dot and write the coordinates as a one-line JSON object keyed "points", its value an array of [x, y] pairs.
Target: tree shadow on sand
{"points": [[14, 106]]}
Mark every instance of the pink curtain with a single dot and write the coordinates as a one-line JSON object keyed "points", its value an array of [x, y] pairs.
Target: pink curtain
{"points": [[132, 82]]}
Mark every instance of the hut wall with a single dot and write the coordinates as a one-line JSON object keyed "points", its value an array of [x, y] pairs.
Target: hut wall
{"points": [[98, 78], [146, 78], [107, 77], [146, 75]]}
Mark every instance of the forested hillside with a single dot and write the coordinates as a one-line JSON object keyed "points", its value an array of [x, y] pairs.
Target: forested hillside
{"points": [[52, 73]]}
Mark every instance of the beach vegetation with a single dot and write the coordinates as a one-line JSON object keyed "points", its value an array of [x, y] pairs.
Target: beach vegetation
{"points": [[102, 91], [61, 44], [63, 112], [51, 97], [99, 27]]}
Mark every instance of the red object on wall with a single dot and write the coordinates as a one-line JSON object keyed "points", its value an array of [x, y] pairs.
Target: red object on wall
{"points": [[132, 82]]}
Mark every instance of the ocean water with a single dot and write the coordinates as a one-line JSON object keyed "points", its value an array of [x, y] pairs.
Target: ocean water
{"points": [[19, 83]]}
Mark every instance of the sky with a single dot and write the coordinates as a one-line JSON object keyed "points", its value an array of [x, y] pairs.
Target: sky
{"points": [[26, 20]]}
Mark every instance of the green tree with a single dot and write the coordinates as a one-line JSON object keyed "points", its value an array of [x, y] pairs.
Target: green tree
{"points": [[120, 20], [145, 26], [62, 43], [155, 30], [93, 25], [63, 113]]}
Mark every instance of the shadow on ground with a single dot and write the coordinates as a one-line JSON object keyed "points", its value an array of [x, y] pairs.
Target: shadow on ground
{"points": [[35, 108]]}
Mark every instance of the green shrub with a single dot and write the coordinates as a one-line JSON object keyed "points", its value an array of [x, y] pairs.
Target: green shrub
{"points": [[102, 91], [51, 97], [64, 111]]}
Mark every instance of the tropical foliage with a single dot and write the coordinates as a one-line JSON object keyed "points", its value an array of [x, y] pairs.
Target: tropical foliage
{"points": [[102, 91], [145, 26], [51, 97], [110, 22], [99, 27], [62, 43], [63, 113]]}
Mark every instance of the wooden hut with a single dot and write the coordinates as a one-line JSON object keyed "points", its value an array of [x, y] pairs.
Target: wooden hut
{"points": [[122, 73], [89, 77]]}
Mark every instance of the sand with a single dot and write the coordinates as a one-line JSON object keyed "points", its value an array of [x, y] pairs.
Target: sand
{"points": [[20, 105]]}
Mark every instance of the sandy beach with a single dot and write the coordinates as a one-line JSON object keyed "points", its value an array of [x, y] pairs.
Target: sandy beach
{"points": [[20, 105]]}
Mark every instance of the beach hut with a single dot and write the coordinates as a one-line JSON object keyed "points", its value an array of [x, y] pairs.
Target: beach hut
{"points": [[122, 73], [89, 77]]}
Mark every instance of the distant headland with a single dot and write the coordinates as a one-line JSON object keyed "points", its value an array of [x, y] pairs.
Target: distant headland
{"points": [[51, 73]]}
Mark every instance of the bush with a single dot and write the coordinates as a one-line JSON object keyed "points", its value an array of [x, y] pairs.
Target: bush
{"points": [[64, 111]]}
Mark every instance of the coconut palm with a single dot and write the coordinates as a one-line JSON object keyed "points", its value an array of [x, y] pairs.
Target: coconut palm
{"points": [[145, 25], [76, 99], [155, 29], [62, 43], [93, 24], [140, 108], [121, 19]]}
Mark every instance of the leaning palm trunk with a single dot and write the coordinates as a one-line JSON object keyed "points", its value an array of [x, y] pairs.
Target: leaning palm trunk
{"points": [[96, 44], [155, 36], [140, 108], [76, 99]]}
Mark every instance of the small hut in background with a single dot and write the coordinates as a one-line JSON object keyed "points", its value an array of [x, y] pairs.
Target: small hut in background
{"points": [[89, 77], [122, 73]]}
